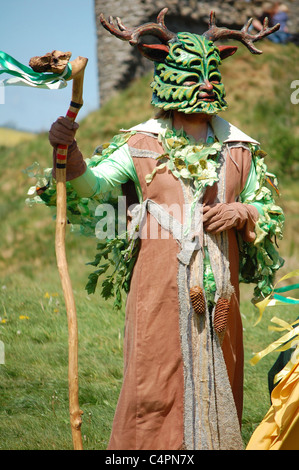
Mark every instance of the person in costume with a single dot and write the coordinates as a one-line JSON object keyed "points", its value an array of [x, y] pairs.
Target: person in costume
{"points": [[276, 12], [200, 185]]}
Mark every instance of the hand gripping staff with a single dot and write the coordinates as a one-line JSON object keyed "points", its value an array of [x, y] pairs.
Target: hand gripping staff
{"points": [[77, 75], [51, 71]]}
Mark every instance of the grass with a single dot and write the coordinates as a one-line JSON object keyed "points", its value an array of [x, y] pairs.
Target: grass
{"points": [[34, 388], [12, 137], [259, 91], [33, 326]]}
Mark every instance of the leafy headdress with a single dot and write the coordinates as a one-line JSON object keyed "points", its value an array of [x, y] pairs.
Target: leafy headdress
{"points": [[187, 76]]}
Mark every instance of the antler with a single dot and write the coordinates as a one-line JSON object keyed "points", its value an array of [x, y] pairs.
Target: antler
{"points": [[159, 30], [214, 33], [133, 35]]}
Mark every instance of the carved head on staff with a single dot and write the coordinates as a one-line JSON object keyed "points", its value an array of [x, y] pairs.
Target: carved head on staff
{"points": [[187, 76]]}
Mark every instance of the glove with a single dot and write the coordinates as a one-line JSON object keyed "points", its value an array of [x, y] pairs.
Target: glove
{"points": [[63, 132], [225, 216]]}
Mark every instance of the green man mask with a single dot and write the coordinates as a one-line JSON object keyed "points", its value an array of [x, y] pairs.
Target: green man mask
{"points": [[189, 79], [186, 75]]}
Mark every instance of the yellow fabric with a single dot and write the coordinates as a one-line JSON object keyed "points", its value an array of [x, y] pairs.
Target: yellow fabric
{"points": [[279, 429], [287, 341], [269, 301]]}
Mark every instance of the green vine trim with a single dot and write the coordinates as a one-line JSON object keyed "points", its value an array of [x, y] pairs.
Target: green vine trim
{"points": [[259, 261]]}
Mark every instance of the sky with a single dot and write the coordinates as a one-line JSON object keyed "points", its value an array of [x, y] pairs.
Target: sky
{"points": [[34, 27]]}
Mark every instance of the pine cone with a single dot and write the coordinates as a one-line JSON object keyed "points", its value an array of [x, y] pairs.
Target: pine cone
{"points": [[221, 313], [197, 300]]}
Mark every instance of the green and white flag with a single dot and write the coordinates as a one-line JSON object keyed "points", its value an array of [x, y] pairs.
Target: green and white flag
{"points": [[25, 76]]}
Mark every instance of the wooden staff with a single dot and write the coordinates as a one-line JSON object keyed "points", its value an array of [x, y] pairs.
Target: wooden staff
{"points": [[78, 67]]}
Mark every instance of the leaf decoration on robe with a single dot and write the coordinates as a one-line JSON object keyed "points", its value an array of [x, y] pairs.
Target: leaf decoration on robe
{"points": [[259, 261]]}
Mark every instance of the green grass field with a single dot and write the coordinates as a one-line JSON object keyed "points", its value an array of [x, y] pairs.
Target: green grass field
{"points": [[33, 326], [12, 137]]}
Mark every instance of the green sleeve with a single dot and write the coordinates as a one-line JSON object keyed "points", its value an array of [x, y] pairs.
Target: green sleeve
{"points": [[86, 185], [109, 168], [108, 174]]}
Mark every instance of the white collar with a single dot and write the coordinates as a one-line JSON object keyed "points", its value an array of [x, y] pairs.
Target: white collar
{"points": [[223, 130], [227, 132]]}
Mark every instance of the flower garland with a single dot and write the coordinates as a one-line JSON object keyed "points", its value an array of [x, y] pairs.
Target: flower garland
{"points": [[186, 158]]}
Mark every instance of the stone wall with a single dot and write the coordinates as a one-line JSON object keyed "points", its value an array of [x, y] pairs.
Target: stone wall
{"points": [[119, 63]]}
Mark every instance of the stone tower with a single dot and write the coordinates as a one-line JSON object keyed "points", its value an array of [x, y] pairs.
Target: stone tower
{"points": [[119, 63]]}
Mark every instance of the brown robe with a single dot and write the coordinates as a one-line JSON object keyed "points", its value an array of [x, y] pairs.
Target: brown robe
{"points": [[150, 410]]}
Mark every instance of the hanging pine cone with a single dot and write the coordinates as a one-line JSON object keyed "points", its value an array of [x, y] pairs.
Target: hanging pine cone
{"points": [[197, 300], [221, 313]]}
